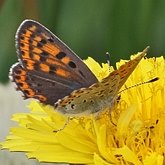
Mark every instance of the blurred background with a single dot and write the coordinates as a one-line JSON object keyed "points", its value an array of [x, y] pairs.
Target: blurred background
{"points": [[89, 28]]}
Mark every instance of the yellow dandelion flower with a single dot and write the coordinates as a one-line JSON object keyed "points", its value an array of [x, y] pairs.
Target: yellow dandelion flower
{"points": [[132, 134]]}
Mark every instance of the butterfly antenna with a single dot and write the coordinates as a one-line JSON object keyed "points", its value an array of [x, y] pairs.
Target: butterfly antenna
{"points": [[108, 59], [141, 83]]}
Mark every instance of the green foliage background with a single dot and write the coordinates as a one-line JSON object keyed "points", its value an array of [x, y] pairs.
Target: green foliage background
{"points": [[90, 28]]}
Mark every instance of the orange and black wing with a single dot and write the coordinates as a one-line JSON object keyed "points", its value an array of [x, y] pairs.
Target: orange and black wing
{"points": [[47, 70]]}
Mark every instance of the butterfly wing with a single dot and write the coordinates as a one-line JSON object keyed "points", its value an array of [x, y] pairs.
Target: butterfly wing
{"points": [[126, 69], [99, 95], [48, 67]]}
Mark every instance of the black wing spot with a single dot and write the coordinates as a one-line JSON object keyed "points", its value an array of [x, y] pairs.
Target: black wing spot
{"points": [[22, 44], [60, 55], [44, 53], [22, 52], [72, 64], [43, 41], [17, 71], [82, 73], [51, 72], [20, 84], [36, 66], [42, 58], [53, 68], [24, 31], [17, 77], [22, 37], [39, 44], [91, 101], [26, 92]]}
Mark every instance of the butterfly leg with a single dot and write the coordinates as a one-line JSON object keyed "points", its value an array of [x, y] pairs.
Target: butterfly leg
{"points": [[65, 124]]}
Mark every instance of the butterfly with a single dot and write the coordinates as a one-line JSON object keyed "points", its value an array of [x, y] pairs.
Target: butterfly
{"points": [[52, 73]]}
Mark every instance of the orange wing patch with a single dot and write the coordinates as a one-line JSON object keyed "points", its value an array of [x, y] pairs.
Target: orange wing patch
{"points": [[51, 49], [37, 50], [63, 73], [53, 62], [36, 57], [44, 67], [65, 60]]}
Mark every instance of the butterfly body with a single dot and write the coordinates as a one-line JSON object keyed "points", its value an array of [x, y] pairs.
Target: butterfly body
{"points": [[53, 74]]}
